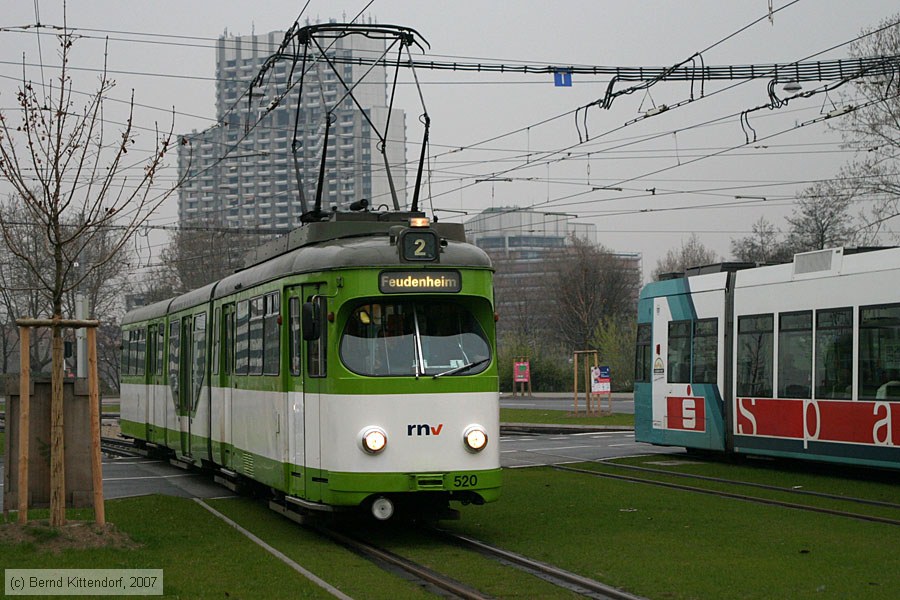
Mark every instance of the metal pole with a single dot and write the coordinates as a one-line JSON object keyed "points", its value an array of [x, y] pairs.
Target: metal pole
{"points": [[81, 345]]}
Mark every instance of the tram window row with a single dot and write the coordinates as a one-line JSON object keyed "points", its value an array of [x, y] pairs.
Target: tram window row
{"points": [[814, 359]]}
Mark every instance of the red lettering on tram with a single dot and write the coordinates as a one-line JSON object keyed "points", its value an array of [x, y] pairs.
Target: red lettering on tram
{"points": [[873, 423], [686, 412]]}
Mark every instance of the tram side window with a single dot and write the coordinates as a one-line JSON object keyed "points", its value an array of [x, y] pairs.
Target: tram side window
{"points": [[834, 353], [141, 351], [242, 340], [126, 347], [160, 349], [228, 345], [754, 355], [879, 352], [271, 334], [151, 350], [706, 350], [295, 337], [315, 351], [174, 345], [257, 315], [642, 353], [199, 362], [679, 353], [795, 355], [132, 352], [216, 333]]}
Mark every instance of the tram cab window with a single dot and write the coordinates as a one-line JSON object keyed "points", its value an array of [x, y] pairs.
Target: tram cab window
{"points": [[754, 356], [642, 355], [414, 339], [879, 352], [679, 353], [693, 348], [705, 348]]}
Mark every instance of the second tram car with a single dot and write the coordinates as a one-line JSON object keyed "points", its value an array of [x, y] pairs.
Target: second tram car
{"points": [[353, 365], [796, 360]]}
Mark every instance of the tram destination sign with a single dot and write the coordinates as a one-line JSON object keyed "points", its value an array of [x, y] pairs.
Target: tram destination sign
{"points": [[399, 282]]}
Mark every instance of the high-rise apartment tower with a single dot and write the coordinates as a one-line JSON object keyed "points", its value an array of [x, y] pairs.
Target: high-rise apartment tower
{"points": [[241, 172]]}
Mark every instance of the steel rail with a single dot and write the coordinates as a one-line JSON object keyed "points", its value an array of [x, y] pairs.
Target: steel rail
{"points": [[556, 575], [721, 494], [414, 569], [763, 486]]}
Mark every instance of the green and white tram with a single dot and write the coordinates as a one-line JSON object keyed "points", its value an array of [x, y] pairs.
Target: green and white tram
{"points": [[351, 365]]}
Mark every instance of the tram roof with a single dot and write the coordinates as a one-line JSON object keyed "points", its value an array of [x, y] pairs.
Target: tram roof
{"points": [[346, 240]]}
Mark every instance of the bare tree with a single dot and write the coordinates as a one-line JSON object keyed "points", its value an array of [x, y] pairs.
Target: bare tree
{"points": [[821, 219], [592, 284], [203, 251], [765, 245], [873, 128], [691, 254], [72, 180]]}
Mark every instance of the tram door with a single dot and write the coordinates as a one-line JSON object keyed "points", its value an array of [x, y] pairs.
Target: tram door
{"points": [[186, 386], [221, 415], [156, 401], [307, 368], [296, 407]]}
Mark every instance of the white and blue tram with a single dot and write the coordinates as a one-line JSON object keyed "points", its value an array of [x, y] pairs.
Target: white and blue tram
{"points": [[796, 360]]}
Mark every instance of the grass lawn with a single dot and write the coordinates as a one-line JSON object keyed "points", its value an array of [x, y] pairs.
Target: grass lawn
{"points": [[561, 417], [659, 543], [202, 556], [673, 544]]}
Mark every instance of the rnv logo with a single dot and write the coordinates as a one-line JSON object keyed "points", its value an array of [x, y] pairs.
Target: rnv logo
{"points": [[424, 429]]}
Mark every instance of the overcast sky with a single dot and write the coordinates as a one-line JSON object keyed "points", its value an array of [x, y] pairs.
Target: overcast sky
{"points": [[163, 50]]}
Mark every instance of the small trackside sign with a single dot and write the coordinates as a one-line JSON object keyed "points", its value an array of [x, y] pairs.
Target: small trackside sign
{"points": [[399, 282]]}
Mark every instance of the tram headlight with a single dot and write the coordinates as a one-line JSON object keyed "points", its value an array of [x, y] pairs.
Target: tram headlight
{"points": [[374, 439], [475, 438]]}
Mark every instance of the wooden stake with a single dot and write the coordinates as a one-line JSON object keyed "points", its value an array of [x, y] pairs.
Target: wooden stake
{"points": [[94, 395], [57, 436], [24, 437]]}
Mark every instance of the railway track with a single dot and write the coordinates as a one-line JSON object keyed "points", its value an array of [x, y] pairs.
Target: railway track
{"points": [[752, 484], [430, 579], [119, 447], [732, 495], [446, 586], [585, 586]]}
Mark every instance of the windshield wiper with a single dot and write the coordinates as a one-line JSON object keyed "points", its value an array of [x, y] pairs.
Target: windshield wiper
{"points": [[456, 370]]}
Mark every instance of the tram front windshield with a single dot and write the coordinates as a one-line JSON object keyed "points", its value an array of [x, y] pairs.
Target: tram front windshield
{"points": [[414, 339]]}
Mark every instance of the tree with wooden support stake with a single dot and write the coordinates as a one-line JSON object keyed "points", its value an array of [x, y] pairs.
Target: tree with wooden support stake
{"points": [[72, 185], [57, 430]]}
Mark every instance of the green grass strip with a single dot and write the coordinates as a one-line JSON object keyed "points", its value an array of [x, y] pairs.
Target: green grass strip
{"points": [[561, 417]]}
